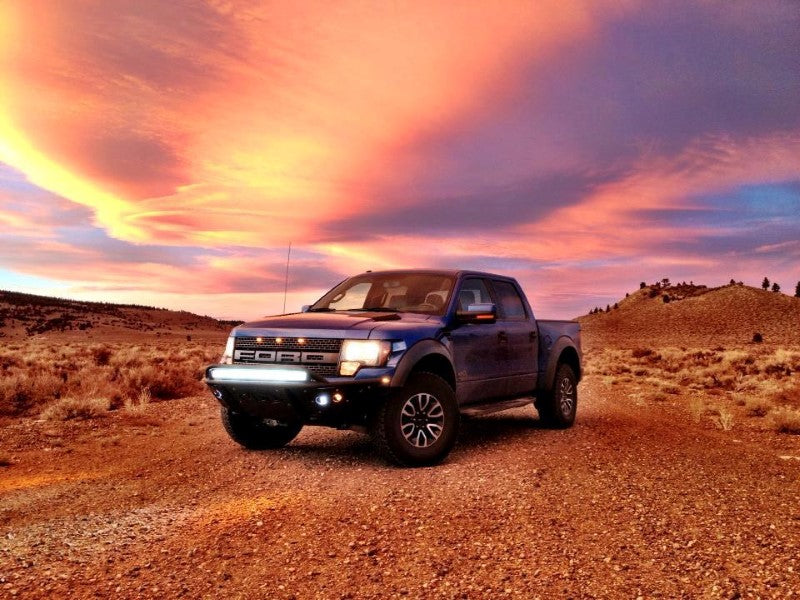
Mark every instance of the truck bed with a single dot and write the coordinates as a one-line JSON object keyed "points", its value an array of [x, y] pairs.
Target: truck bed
{"points": [[550, 331]]}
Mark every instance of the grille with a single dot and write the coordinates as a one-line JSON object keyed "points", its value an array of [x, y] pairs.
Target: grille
{"points": [[270, 343], [322, 370], [331, 347]]}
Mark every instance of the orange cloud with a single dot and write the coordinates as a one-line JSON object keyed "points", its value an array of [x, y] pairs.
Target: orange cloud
{"points": [[240, 122]]}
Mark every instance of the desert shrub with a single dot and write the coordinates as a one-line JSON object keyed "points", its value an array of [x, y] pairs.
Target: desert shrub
{"points": [[671, 389], [101, 355], [641, 352], [163, 382], [757, 338], [786, 420], [75, 408], [758, 407], [666, 298], [21, 392]]}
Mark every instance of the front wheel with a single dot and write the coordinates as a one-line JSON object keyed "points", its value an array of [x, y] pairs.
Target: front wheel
{"points": [[557, 407], [258, 434], [417, 425]]}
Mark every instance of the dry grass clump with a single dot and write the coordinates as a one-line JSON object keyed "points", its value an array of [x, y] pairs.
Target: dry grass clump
{"points": [[724, 419], [697, 408], [39, 374], [758, 407], [75, 408], [5, 460], [762, 371], [786, 420]]}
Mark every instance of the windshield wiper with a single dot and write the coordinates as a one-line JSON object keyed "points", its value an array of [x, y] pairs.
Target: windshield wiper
{"points": [[325, 309], [376, 309]]}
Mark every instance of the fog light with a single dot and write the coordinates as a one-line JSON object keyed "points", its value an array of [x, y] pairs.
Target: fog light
{"points": [[386, 380], [323, 400], [337, 397]]}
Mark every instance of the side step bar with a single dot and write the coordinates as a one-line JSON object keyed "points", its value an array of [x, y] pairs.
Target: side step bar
{"points": [[474, 410]]}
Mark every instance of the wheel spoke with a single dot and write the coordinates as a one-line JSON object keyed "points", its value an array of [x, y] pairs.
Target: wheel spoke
{"points": [[420, 440]]}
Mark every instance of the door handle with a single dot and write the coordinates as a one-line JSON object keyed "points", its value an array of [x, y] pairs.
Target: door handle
{"points": [[502, 336], [532, 336]]}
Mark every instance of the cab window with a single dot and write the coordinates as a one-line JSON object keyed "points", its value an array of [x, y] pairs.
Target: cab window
{"points": [[509, 300], [473, 291]]}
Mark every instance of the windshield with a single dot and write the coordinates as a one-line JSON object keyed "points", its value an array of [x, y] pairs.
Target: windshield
{"points": [[426, 293]]}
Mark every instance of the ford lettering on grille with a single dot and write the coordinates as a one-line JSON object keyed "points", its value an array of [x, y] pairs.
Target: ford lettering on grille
{"points": [[286, 356]]}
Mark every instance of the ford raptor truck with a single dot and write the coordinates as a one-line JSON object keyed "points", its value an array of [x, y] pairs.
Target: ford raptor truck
{"points": [[401, 355]]}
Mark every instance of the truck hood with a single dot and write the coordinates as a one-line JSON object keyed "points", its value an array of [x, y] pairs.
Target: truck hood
{"points": [[353, 325]]}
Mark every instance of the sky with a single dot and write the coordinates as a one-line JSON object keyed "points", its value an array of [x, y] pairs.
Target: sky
{"points": [[167, 153]]}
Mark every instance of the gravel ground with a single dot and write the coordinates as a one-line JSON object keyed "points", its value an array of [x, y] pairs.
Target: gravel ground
{"points": [[634, 501]]}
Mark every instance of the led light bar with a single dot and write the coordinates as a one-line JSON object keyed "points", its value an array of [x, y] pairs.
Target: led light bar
{"points": [[238, 374]]}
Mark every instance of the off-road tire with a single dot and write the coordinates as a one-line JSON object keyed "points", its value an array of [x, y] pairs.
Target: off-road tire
{"points": [[256, 434], [425, 406], [557, 407]]}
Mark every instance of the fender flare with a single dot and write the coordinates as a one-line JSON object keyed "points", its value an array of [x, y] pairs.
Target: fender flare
{"points": [[415, 354], [563, 343]]}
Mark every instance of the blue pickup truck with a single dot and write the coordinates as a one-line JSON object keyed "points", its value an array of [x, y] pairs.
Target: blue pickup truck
{"points": [[401, 355]]}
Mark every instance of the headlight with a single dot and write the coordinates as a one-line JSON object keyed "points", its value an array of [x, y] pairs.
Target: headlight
{"points": [[363, 353], [227, 356]]}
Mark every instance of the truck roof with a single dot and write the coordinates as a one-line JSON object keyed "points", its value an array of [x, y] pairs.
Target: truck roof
{"points": [[446, 272]]}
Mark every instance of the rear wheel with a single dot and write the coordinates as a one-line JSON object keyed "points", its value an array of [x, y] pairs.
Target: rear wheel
{"points": [[256, 433], [418, 424], [558, 406]]}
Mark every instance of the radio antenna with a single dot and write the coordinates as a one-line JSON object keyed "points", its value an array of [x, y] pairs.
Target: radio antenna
{"points": [[286, 279]]}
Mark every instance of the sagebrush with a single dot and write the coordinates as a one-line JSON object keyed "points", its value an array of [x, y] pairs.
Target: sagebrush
{"points": [[34, 375]]}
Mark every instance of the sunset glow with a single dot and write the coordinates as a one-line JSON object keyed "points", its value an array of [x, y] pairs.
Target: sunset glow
{"points": [[167, 153]]}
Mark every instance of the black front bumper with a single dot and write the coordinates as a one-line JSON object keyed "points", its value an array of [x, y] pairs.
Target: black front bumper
{"points": [[340, 402]]}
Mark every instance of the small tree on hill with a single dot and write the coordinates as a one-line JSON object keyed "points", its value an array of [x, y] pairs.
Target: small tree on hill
{"points": [[608, 308], [616, 305], [665, 282], [642, 285], [776, 287], [765, 284], [733, 282], [797, 290]]}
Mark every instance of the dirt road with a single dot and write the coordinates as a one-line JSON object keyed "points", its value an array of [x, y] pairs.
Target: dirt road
{"points": [[634, 501]]}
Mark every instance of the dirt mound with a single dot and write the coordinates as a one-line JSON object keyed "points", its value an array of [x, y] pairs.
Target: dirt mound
{"points": [[28, 315], [693, 316]]}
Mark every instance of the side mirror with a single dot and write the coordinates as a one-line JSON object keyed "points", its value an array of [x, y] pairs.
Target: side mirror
{"points": [[478, 313], [305, 308]]}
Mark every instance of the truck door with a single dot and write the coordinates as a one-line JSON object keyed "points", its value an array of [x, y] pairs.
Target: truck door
{"points": [[518, 332], [478, 349]]}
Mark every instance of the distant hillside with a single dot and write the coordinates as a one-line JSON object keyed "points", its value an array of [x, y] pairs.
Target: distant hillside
{"points": [[28, 316], [695, 316]]}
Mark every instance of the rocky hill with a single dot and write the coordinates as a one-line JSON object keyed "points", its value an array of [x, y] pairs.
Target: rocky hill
{"points": [[695, 316], [30, 316]]}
